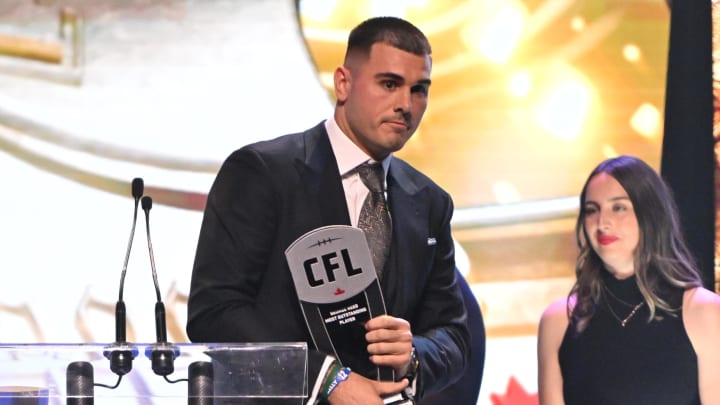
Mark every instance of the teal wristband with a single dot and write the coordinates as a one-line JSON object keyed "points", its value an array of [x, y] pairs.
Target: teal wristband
{"points": [[329, 378], [340, 376]]}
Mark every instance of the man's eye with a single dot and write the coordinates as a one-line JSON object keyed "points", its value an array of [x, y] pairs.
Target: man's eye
{"points": [[390, 85], [420, 90]]}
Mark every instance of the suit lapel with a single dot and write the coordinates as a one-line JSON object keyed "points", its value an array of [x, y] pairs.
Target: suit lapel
{"points": [[322, 179], [409, 231]]}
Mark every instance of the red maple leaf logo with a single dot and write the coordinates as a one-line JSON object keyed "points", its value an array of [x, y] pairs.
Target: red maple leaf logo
{"points": [[515, 394], [339, 291]]}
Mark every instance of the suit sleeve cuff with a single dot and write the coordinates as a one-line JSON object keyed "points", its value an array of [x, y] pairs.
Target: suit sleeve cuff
{"points": [[320, 379]]}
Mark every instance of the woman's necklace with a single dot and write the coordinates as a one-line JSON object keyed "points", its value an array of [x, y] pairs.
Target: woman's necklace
{"points": [[634, 310]]}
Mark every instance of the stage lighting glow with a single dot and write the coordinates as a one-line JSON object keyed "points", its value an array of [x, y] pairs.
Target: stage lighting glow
{"points": [[646, 120], [632, 53], [565, 105], [389, 8], [577, 24], [397, 8], [497, 36], [505, 192], [520, 84], [318, 10], [609, 151]]}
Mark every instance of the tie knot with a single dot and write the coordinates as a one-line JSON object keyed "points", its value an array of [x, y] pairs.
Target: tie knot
{"points": [[373, 176]]}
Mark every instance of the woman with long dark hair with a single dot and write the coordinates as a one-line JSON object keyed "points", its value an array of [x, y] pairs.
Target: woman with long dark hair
{"points": [[637, 326]]}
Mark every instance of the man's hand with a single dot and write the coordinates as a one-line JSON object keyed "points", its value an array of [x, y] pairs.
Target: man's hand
{"points": [[389, 342], [358, 390]]}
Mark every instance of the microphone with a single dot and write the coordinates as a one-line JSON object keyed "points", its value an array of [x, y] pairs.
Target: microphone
{"points": [[120, 353], [79, 383], [162, 354], [200, 383]]}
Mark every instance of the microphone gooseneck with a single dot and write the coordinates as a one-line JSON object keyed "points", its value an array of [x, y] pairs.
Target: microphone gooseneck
{"points": [[120, 353], [120, 324], [138, 187], [162, 354], [147, 206]]}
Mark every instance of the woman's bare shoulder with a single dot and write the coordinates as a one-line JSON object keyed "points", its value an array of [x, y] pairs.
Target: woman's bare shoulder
{"points": [[702, 302], [559, 308], [555, 317], [701, 316]]}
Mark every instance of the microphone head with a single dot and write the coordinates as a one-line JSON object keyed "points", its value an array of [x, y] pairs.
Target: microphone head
{"points": [[79, 379], [138, 187], [146, 203], [162, 358], [121, 358]]}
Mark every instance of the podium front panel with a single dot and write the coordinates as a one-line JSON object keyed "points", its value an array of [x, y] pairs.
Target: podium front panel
{"points": [[197, 374]]}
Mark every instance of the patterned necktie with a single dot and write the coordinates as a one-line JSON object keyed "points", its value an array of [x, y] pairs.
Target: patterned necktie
{"points": [[374, 215]]}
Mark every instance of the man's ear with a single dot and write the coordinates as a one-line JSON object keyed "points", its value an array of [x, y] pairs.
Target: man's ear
{"points": [[343, 81]]}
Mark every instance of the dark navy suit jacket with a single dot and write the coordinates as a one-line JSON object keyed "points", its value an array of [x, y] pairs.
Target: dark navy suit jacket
{"points": [[268, 194]]}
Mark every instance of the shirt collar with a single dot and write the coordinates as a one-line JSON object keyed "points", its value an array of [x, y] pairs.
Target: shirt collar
{"points": [[348, 155]]}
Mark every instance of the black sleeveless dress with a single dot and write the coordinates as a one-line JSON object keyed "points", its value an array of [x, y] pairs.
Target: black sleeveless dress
{"points": [[642, 363]]}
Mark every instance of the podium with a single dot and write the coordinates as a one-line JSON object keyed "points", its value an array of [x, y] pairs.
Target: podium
{"points": [[201, 374]]}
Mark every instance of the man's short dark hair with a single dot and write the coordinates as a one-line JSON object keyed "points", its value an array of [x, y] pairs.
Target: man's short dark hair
{"points": [[392, 30]]}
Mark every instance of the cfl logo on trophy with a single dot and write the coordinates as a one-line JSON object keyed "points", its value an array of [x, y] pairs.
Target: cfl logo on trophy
{"points": [[330, 263]]}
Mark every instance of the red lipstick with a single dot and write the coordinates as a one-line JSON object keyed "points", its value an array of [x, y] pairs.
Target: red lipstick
{"points": [[606, 239]]}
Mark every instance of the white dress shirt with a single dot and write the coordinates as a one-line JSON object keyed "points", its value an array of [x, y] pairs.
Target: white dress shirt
{"points": [[349, 156]]}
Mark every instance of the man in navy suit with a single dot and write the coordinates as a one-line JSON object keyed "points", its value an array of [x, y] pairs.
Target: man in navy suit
{"points": [[269, 193]]}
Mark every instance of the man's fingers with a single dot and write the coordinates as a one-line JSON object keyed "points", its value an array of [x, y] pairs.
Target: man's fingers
{"points": [[390, 387], [390, 348], [390, 360], [387, 322], [388, 335]]}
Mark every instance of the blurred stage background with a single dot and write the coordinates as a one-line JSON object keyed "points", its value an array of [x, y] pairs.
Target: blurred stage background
{"points": [[527, 97]]}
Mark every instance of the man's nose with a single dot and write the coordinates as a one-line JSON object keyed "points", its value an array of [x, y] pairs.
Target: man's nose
{"points": [[403, 103]]}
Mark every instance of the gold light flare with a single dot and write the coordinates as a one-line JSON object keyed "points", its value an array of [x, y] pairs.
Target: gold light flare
{"points": [[317, 10], [520, 84], [577, 24], [632, 53], [646, 120], [565, 102], [609, 151], [496, 34], [505, 192], [393, 8], [397, 8]]}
